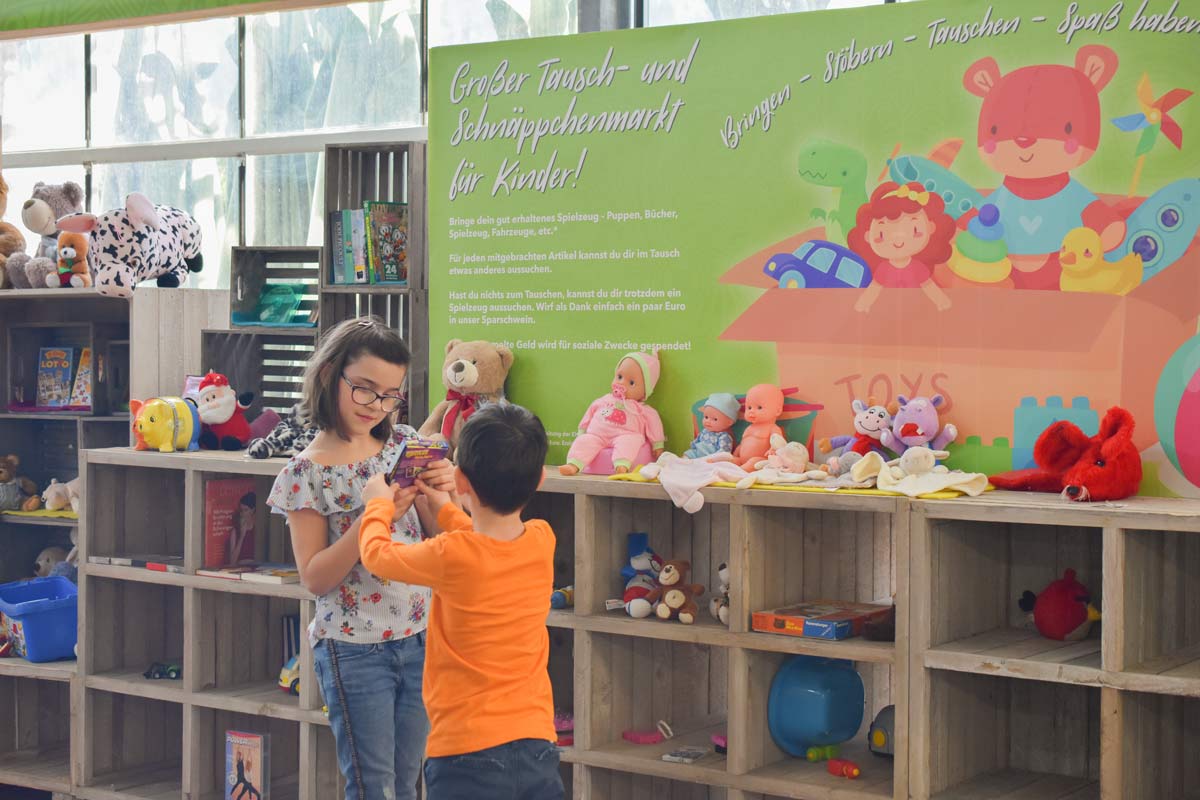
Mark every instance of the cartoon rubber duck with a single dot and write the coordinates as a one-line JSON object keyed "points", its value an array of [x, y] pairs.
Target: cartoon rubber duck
{"points": [[1063, 610], [1085, 270]]}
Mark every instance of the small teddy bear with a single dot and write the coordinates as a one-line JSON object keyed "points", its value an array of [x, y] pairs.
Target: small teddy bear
{"points": [[73, 267], [718, 606], [674, 598], [17, 493]]}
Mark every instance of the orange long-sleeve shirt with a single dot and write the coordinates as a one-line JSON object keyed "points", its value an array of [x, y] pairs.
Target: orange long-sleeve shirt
{"points": [[486, 650]]}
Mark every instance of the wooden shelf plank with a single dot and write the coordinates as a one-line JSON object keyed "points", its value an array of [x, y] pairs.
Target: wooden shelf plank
{"points": [[1016, 653], [298, 331], [152, 783], [1177, 673], [43, 522], [293, 591], [131, 682], [47, 770], [1014, 784], [203, 460], [259, 699], [646, 759], [798, 778], [48, 671], [1146, 513], [366, 288], [707, 631], [67, 293]]}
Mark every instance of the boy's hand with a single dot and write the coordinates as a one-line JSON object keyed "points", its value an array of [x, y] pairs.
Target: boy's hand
{"points": [[435, 497], [403, 497], [376, 487], [440, 476]]}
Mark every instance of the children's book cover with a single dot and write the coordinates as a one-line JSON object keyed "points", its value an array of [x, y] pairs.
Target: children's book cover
{"points": [[387, 243], [54, 376], [81, 395], [230, 508], [247, 765]]}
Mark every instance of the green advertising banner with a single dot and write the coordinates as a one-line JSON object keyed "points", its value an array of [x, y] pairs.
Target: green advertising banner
{"points": [[996, 204]]}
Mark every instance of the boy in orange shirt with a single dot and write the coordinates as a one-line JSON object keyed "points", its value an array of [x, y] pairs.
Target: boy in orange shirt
{"points": [[486, 687]]}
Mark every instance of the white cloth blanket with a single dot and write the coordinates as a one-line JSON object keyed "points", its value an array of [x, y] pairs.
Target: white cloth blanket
{"points": [[917, 473], [683, 478]]}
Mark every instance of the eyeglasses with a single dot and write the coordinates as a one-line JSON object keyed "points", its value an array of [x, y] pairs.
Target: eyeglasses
{"points": [[365, 396]]}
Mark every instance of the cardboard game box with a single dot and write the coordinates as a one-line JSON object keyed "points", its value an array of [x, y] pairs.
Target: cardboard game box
{"points": [[820, 619]]}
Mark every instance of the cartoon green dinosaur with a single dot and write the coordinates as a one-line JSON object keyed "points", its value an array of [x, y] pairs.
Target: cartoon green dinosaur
{"points": [[825, 163]]}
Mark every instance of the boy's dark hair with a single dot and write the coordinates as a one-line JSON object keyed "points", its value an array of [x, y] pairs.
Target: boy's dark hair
{"points": [[502, 451], [343, 345]]}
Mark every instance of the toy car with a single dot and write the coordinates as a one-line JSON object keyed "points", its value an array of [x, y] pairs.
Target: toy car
{"points": [[170, 670], [289, 676], [881, 737], [818, 264]]}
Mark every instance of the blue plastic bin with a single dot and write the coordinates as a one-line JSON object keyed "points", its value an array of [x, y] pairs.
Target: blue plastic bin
{"points": [[41, 616]]}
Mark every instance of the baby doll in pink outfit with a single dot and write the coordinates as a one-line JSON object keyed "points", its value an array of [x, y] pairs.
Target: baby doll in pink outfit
{"points": [[620, 419]]}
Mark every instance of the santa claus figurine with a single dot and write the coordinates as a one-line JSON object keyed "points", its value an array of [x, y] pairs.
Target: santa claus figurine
{"points": [[223, 414]]}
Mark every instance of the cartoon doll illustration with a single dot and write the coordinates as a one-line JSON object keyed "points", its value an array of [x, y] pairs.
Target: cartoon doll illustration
{"points": [[902, 232]]}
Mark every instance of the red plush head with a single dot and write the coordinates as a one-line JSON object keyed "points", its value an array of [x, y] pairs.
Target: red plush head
{"points": [[1106, 466], [1063, 610]]}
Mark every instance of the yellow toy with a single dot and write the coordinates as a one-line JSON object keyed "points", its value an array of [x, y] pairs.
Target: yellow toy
{"points": [[165, 424], [1085, 270]]}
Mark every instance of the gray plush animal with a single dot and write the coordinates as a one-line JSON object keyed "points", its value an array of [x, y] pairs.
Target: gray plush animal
{"points": [[40, 214]]}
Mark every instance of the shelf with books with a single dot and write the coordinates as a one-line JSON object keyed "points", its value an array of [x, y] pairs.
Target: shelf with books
{"points": [[60, 366]]}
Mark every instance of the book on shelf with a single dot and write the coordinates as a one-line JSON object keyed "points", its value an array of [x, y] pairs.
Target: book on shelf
{"points": [[55, 367], [387, 242], [272, 573], [355, 236], [820, 619], [152, 561], [247, 765], [99, 560], [230, 509], [337, 254], [81, 392], [226, 573]]}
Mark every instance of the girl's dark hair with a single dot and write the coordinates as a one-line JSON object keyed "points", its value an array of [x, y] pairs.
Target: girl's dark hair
{"points": [[344, 344]]}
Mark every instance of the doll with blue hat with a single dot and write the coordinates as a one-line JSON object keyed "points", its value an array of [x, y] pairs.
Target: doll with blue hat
{"points": [[720, 412]]}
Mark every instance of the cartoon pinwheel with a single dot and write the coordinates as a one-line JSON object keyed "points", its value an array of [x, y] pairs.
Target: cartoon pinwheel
{"points": [[1153, 120]]}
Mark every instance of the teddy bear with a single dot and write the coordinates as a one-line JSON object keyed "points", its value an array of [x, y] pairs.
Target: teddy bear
{"points": [[12, 242], [73, 267], [44, 565], [289, 437], [473, 373], [58, 496], [40, 214], [17, 493], [718, 606], [674, 597]]}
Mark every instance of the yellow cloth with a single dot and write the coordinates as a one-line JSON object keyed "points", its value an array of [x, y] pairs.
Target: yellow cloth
{"points": [[61, 514], [947, 494]]}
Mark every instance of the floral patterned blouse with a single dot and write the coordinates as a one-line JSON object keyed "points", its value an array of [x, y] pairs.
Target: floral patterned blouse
{"points": [[363, 608]]}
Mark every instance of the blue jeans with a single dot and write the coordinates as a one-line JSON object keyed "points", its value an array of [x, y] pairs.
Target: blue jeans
{"points": [[373, 692], [526, 769]]}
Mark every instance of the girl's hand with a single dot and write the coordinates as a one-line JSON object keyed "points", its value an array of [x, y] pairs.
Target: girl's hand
{"points": [[403, 497], [434, 497], [440, 476], [376, 488]]}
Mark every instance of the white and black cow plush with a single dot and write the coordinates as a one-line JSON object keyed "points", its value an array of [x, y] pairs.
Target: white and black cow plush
{"points": [[139, 242]]}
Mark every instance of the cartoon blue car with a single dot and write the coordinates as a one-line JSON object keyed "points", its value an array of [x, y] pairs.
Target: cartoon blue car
{"points": [[818, 264]]}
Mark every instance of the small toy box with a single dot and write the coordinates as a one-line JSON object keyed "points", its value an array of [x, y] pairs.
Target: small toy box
{"points": [[820, 619], [41, 617]]}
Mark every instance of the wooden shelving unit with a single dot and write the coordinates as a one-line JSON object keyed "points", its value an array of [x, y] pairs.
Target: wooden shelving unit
{"points": [[985, 709]]}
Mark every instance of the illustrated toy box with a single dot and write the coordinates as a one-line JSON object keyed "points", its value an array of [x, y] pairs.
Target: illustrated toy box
{"points": [[417, 456], [820, 619]]}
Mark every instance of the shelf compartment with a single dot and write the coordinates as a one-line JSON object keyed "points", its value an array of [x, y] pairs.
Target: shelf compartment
{"points": [[559, 512], [272, 542], [47, 446], [238, 652], [142, 512], [1157, 613], [130, 625], [20, 546], [633, 762], [136, 746], [208, 752], [254, 270], [269, 362], [989, 736], [35, 734], [761, 766], [1157, 758], [25, 340], [292, 591], [977, 575]]}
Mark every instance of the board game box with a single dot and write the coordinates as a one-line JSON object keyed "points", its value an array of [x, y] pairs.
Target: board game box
{"points": [[820, 619]]}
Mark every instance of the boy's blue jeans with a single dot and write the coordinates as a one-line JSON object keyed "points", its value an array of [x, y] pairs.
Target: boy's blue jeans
{"points": [[526, 769], [373, 692]]}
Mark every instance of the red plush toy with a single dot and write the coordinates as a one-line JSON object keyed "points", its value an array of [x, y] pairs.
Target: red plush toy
{"points": [[1103, 467], [1063, 610], [223, 414]]}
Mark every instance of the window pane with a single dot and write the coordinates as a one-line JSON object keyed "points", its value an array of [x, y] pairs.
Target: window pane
{"points": [[42, 74], [675, 12], [206, 188], [285, 200], [20, 189], [468, 21], [167, 83], [350, 66]]}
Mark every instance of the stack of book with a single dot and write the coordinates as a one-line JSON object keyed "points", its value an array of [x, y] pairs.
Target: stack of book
{"points": [[369, 245]]}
